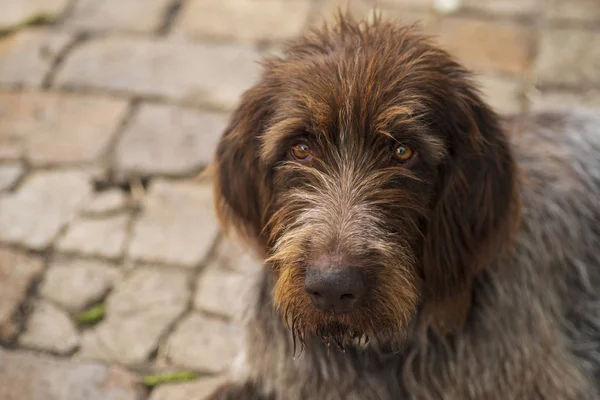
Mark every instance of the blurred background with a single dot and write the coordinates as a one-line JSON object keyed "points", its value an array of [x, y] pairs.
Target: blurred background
{"points": [[114, 280]]}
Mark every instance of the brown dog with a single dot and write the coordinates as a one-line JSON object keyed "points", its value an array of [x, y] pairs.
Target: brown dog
{"points": [[443, 254]]}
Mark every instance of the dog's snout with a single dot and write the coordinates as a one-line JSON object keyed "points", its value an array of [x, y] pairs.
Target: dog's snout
{"points": [[336, 289]]}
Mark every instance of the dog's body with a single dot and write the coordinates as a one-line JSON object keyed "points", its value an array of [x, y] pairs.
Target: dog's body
{"points": [[525, 325]]}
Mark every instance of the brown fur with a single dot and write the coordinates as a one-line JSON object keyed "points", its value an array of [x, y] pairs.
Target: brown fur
{"points": [[424, 233]]}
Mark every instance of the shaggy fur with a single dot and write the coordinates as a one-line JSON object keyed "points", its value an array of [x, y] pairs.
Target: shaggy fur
{"points": [[482, 254]]}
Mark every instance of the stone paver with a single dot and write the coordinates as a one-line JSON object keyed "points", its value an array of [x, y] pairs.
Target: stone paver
{"points": [[43, 205], [138, 312], [75, 284], [9, 175], [407, 11], [28, 376], [123, 91], [107, 202], [503, 94], [204, 343], [218, 291], [10, 148], [22, 11], [118, 15], [102, 237], [576, 10], [247, 20], [167, 140], [17, 273], [222, 286], [27, 56], [197, 390], [232, 256], [404, 4], [176, 69], [569, 57], [487, 46], [60, 129], [502, 7], [177, 225], [49, 328]]}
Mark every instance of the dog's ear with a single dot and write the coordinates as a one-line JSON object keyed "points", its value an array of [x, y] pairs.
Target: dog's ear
{"points": [[476, 210], [241, 183]]}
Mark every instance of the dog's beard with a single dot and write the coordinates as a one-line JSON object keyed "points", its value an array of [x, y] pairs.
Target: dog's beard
{"points": [[380, 321], [344, 332]]}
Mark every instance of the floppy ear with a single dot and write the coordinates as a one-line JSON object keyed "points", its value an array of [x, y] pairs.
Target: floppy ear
{"points": [[476, 211], [241, 184]]}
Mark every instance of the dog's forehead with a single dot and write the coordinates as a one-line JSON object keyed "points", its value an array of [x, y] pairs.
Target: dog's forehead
{"points": [[329, 96], [335, 92]]}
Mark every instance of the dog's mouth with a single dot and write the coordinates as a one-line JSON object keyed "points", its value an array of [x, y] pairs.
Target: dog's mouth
{"points": [[332, 333], [358, 329]]}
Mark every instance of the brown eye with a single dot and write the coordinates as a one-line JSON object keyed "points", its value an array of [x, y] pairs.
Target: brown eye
{"points": [[301, 152], [403, 153]]}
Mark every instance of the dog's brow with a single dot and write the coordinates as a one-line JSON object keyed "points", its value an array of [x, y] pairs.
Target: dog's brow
{"points": [[278, 132], [404, 122]]}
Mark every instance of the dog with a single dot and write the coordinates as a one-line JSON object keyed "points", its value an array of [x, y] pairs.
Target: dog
{"points": [[416, 245]]}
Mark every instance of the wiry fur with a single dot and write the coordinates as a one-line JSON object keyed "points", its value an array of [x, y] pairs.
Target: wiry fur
{"points": [[482, 257]]}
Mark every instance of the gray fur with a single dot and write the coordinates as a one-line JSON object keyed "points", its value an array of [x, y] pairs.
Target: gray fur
{"points": [[534, 328]]}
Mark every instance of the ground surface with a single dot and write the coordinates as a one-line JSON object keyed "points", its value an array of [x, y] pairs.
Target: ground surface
{"points": [[110, 109]]}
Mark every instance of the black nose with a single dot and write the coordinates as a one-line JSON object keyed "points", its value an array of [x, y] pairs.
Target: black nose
{"points": [[337, 289]]}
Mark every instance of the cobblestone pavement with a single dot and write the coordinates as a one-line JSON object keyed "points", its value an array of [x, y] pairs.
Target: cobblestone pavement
{"points": [[110, 109]]}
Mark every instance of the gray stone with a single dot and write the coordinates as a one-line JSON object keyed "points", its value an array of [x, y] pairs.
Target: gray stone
{"points": [[28, 376], [230, 255], [22, 11], [55, 128], [102, 237], [138, 312], [406, 11], [43, 205], [204, 343], [106, 202], [557, 99], [17, 272], [177, 226], [218, 291], [326, 9], [126, 15], [168, 140], [403, 4], [248, 20], [197, 390], [577, 10], [208, 73], [76, 284], [49, 328], [502, 93], [10, 148], [9, 175], [502, 7], [485, 45], [27, 56], [569, 57]]}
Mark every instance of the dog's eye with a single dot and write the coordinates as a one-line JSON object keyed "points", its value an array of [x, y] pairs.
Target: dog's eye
{"points": [[302, 152], [403, 153]]}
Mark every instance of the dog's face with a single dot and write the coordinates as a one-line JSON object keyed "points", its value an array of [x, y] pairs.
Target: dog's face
{"points": [[369, 173]]}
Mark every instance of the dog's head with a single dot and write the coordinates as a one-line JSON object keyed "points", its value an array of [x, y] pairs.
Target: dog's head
{"points": [[368, 171]]}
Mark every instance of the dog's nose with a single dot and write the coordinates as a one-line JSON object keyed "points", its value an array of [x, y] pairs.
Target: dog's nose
{"points": [[337, 289]]}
